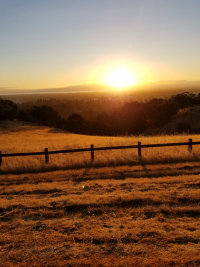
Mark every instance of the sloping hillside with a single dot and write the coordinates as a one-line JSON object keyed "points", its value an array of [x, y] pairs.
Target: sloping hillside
{"points": [[19, 137]]}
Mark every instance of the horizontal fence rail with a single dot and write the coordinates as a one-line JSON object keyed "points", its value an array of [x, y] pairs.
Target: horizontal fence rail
{"points": [[139, 146]]}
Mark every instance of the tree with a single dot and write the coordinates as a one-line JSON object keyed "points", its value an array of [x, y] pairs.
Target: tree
{"points": [[159, 112], [184, 100], [75, 123], [8, 110], [45, 115]]}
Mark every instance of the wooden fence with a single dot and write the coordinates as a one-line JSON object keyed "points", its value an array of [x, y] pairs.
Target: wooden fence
{"points": [[139, 146]]}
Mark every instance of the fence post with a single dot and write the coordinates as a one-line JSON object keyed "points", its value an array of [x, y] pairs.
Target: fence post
{"points": [[46, 155], [0, 159], [139, 149], [92, 153], [190, 144]]}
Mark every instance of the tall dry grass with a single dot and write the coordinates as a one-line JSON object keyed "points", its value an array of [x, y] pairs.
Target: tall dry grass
{"points": [[19, 137]]}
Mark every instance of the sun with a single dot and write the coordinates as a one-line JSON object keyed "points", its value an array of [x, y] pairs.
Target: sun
{"points": [[120, 77]]}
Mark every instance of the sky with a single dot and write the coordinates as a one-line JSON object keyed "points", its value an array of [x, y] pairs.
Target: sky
{"points": [[59, 43]]}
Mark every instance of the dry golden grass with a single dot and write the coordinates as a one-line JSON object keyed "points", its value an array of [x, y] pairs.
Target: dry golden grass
{"points": [[49, 219], [139, 214], [18, 137]]}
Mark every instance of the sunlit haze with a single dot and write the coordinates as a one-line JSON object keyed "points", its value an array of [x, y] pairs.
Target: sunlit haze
{"points": [[48, 43]]}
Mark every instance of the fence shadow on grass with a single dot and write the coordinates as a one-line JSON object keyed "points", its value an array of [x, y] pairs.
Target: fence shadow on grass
{"points": [[142, 163], [196, 157]]}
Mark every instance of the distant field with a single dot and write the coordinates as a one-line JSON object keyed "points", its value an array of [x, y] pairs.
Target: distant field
{"points": [[118, 211], [18, 137]]}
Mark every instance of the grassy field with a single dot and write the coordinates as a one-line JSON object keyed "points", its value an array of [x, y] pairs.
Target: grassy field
{"points": [[18, 137], [74, 218], [109, 214]]}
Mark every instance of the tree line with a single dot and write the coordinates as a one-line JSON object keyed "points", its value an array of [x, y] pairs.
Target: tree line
{"points": [[130, 118]]}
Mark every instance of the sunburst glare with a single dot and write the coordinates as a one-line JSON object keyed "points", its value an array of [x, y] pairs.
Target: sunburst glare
{"points": [[120, 77]]}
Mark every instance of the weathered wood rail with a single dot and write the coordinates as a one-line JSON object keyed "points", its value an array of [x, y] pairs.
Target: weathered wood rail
{"points": [[139, 146]]}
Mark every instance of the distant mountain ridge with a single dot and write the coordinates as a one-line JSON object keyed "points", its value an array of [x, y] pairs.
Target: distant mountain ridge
{"points": [[172, 84], [176, 84], [68, 89]]}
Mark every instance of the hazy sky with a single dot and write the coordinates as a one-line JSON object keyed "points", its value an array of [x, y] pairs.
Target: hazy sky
{"points": [[57, 43]]}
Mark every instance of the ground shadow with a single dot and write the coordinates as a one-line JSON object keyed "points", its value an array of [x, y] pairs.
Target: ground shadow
{"points": [[196, 158], [8, 126], [57, 130], [142, 163]]}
